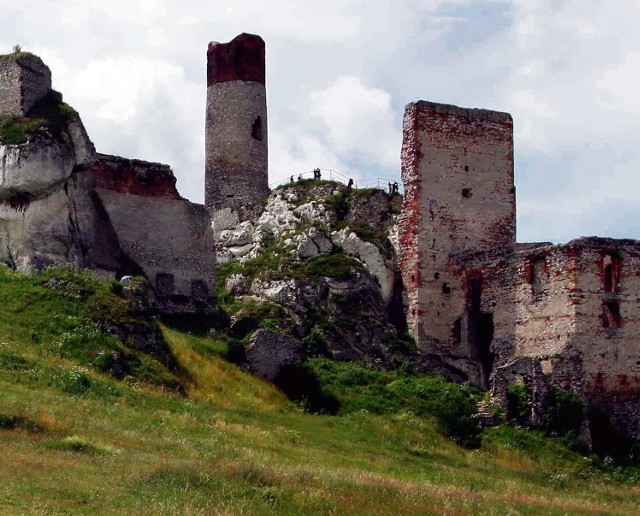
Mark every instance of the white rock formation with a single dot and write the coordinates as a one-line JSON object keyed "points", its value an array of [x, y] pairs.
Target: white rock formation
{"points": [[370, 255]]}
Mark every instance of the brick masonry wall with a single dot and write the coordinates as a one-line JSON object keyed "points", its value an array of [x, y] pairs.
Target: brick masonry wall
{"points": [[553, 327], [610, 355], [457, 170], [24, 81], [236, 150], [136, 177]]}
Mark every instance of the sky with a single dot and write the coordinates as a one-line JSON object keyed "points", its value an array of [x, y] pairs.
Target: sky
{"points": [[339, 74]]}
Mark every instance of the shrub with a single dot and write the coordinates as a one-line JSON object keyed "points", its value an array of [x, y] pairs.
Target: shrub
{"points": [[315, 344], [340, 204], [360, 387], [517, 403], [564, 413]]}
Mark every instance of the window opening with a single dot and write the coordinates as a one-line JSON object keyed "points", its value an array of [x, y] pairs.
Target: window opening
{"points": [[611, 314], [611, 270], [538, 277], [256, 129]]}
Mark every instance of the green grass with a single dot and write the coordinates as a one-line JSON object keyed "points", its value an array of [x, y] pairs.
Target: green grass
{"points": [[78, 440], [50, 115]]}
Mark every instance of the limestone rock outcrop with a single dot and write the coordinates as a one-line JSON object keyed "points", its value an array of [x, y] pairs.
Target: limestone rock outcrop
{"points": [[61, 203], [303, 264]]}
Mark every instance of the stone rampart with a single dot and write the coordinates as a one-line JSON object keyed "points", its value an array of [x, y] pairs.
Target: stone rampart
{"points": [[168, 237]]}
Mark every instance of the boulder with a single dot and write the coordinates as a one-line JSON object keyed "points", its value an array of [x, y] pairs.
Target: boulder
{"points": [[268, 352]]}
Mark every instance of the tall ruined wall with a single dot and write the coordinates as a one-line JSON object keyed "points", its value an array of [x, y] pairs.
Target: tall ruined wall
{"points": [[608, 328], [236, 123], [517, 304], [562, 317], [167, 237], [457, 169], [24, 80]]}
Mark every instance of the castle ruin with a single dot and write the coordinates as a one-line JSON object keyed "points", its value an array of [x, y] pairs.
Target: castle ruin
{"points": [[489, 310], [502, 313], [60, 202]]}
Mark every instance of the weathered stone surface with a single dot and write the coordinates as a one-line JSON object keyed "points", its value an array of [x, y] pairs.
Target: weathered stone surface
{"points": [[268, 352], [32, 169], [170, 240], [313, 243], [381, 268], [24, 80]]}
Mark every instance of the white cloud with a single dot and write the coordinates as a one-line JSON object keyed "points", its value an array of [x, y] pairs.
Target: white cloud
{"points": [[340, 73], [358, 120]]}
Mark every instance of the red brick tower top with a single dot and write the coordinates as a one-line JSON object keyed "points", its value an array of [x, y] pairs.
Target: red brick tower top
{"points": [[242, 59]]}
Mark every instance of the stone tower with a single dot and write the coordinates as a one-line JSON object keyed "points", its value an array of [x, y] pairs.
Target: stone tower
{"points": [[457, 169], [24, 80], [236, 123]]}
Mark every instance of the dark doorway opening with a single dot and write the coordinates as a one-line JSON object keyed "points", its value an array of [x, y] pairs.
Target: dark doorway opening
{"points": [[480, 331]]}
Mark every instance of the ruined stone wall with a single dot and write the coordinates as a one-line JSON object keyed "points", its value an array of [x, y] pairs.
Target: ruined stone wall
{"points": [[564, 317], [608, 327], [168, 237], [517, 304], [236, 124], [136, 177], [457, 170], [24, 80]]}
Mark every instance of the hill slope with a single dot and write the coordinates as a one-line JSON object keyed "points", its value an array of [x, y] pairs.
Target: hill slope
{"points": [[193, 433]]}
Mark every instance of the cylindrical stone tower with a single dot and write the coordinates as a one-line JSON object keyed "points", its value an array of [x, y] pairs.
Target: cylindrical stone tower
{"points": [[236, 123]]}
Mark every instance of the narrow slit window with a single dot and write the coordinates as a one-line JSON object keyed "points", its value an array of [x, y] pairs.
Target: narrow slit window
{"points": [[611, 272], [538, 278], [611, 314]]}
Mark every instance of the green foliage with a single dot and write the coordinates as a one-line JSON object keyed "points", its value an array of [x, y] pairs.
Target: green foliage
{"points": [[12, 421], [518, 403], [564, 413], [340, 204], [403, 343], [358, 387], [16, 55], [74, 443], [50, 115], [315, 343]]}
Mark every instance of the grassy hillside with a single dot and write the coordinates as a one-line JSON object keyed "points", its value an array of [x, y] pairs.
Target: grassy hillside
{"points": [[197, 435]]}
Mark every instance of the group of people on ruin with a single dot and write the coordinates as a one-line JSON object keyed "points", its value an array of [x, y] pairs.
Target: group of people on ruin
{"points": [[394, 187]]}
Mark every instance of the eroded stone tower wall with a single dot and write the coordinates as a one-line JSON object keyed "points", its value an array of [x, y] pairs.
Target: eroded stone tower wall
{"points": [[24, 80], [457, 169], [236, 123]]}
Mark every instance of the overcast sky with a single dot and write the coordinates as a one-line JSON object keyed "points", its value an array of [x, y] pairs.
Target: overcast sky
{"points": [[339, 73]]}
